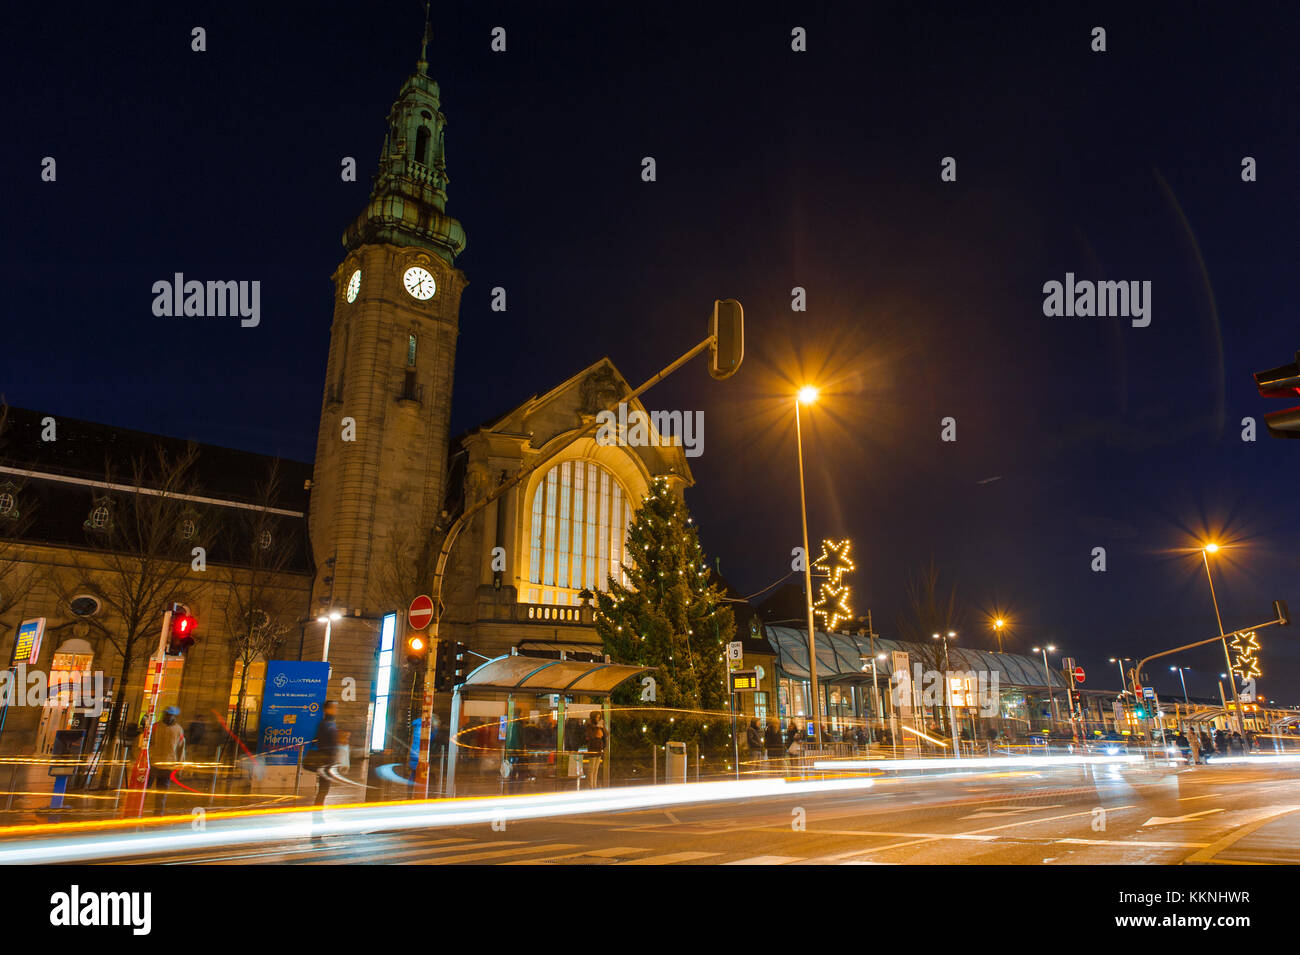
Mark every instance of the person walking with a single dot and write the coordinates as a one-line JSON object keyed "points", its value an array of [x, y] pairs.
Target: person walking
{"points": [[1207, 746], [166, 751], [772, 740], [1221, 742], [324, 756], [754, 737], [595, 746], [1236, 745], [1194, 744]]}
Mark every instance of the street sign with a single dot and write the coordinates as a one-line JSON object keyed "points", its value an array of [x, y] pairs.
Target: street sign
{"points": [[735, 650], [420, 614], [744, 681], [1149, 692], [1078, 674]]}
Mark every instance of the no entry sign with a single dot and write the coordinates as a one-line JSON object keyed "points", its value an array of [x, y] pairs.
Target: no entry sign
{"points": [[1078, 674], [420, 612]]}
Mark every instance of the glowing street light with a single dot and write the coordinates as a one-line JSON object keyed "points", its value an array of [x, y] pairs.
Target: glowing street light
{"points": [[1213, 548], [1186, 702], [328, 621], [806, 396], [998, 624]]}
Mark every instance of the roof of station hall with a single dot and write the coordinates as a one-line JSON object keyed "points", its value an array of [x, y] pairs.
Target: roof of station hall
{"points": [[842, 655]]}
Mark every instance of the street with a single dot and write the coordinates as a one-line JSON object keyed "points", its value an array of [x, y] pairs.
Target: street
{"points": [[1139, 814]]}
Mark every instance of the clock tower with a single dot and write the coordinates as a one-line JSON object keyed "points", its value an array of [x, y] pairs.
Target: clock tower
{"points": [[381, 452]]}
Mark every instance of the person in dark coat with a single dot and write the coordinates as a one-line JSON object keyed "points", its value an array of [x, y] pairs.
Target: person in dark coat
{"points": [[1237, 745], [772, 738], [1221, 742], [327, 745], [754, 738]]}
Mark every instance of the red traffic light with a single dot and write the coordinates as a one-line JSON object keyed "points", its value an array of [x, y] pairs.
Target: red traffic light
{"points": [[182, 638], [1281, 382]]}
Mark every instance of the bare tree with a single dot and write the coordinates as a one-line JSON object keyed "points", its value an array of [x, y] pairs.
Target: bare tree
{"points": [[259, 609], [138, 560], [931, 608], [16, 515]]}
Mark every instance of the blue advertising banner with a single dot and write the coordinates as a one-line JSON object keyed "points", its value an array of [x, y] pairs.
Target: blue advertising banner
{"points": [[291, 708]]}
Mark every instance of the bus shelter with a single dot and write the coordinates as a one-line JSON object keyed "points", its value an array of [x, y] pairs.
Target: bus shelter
{"points": [[509, 690]]}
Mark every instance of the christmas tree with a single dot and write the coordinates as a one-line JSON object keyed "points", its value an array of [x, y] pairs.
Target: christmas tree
{"points": [[669, 616]]}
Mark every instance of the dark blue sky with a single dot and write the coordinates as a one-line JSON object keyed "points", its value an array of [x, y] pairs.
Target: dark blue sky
{"points": [[775, 169]]}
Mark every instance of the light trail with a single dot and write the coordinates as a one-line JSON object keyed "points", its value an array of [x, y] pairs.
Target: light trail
{"points": [[284, 825], [975, 762]]}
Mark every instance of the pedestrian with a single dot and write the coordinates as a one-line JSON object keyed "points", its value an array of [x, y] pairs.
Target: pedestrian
{"points": [[754, 737], [166, 751], [772, 739], [1184, 745], [1252, 741], [1220, 742], [595, 746], [1237, 746], [1207, 746], [324, 755], [1194, 743]]}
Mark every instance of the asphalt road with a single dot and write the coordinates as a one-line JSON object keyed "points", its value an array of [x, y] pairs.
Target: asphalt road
{"points": [[1229, 814]]}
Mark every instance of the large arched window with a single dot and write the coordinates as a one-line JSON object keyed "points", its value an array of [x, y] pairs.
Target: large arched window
{"points": [[579, 521]]}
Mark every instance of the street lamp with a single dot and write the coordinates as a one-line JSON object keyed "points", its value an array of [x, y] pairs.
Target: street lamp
{"points": [[1123, 681], [328, 620], [806, 396], [947, 690], [1047, 675], [998, 624], [1186, 702], [1206, 551]]}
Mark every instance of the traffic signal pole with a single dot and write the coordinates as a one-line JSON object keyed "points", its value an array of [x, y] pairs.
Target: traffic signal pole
{"points": [[1281, 620], [139, 783], [454, 531]]}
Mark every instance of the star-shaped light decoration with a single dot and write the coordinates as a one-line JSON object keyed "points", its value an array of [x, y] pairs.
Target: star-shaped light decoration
{"points": [[1246, 646], [834, 561], [832, 605]]}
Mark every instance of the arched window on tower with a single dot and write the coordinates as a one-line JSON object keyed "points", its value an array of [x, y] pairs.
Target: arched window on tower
{"points": [[579, 522], [422, 146]]}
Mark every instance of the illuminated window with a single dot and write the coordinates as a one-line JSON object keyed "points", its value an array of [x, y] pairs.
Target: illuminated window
{"points": [[580, 518], [410, 351], [252, 696]]}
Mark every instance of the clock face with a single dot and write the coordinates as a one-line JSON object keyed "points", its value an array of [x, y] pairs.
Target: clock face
{"points": [[354, 285], [419, 283]]}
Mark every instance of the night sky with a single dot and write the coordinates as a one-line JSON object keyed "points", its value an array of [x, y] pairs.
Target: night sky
{"points": [[775, 169]]}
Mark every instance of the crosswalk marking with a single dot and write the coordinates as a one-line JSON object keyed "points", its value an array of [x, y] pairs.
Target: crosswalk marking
{"points": [[669, 859], [407, 851], [503, 853], [613, 852], [766, 860]]}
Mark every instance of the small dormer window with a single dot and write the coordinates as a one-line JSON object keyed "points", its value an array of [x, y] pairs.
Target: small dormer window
{"points": [[99, 517], [265, 540], [187, 529], [410, 351], [8, 508]]}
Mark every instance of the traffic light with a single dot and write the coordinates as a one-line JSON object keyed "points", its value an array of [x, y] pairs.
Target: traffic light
{"points": [[1281, 382], [1139, 712], [1283, 613], [727, 329], [459, 663], [182, 635], [416, 646]]}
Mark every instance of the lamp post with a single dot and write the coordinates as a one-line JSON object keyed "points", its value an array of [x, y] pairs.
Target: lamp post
{"points": [[1047, 675], [998, 624], [806, 396], [1123, 681], [328, 620], [947, 691], [1206, 551], [1186, 702]]}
